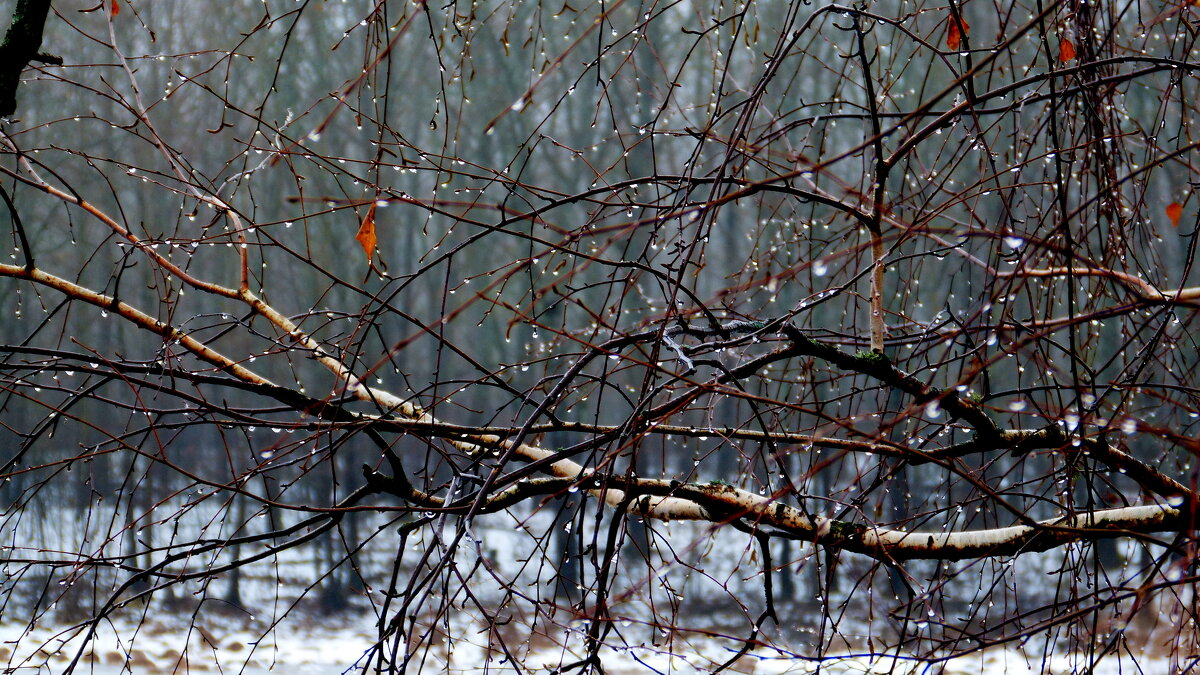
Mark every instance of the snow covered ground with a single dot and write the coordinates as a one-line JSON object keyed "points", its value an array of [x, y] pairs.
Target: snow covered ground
{"points": [[339, 645], [713, 568]]}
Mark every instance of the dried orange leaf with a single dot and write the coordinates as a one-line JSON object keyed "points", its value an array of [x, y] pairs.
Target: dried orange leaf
{"points": [[955, 31], [1066, 51], [116, 8], [1174, 212], [366, 233]]}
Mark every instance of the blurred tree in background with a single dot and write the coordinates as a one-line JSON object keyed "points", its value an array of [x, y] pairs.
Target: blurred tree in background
{"points": [[567, 332]]}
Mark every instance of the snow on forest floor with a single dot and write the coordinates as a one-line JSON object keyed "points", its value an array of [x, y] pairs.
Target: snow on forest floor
{"points": [[327, 646]]}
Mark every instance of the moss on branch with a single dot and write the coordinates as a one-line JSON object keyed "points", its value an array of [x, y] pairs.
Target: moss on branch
{"points": [[876, 365], [21, 45]]}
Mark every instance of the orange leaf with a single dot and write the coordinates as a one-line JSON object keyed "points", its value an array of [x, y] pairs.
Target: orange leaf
{"points": [[1174, 211], [1066, 51], [366, 233], [955, 31], [116, 8]]}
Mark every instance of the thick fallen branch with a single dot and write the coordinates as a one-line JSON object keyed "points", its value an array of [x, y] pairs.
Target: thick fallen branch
{"points": [[672, 500], [718, 503]]}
